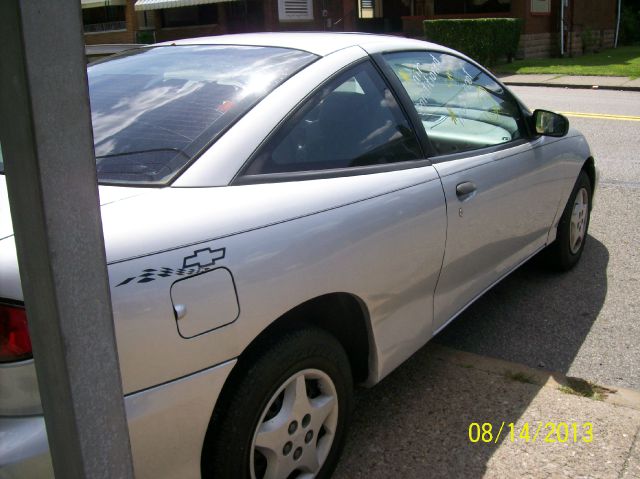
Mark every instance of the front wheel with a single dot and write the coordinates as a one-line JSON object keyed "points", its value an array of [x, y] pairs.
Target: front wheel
{"points": [[566, 250], [286, 417]]}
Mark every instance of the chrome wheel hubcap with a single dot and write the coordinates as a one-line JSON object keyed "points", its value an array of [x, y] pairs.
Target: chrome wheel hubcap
{"points": [[578, 225], [296, 430]]}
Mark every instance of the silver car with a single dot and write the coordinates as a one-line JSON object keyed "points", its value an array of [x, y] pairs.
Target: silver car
{"points": [[286, 215]]}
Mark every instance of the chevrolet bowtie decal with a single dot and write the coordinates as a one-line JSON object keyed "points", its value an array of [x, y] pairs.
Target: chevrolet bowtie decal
{"points": [[203, 258], [200, 261]]}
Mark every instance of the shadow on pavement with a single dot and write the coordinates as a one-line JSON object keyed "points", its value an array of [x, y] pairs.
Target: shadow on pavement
{"points": [[415, 423], [535, 317]]}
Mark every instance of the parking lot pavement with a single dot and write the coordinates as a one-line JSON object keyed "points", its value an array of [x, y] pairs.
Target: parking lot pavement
{"points": [[415, 423]]}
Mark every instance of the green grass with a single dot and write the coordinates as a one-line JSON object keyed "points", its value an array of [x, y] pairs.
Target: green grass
{"points": [[580, 387], [621, 61]]}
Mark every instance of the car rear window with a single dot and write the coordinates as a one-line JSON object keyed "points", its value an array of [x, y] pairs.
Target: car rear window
{"points": [[156, 109]]}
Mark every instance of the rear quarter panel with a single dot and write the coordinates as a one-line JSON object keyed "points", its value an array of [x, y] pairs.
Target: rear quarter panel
{"points": [[379, 237]]}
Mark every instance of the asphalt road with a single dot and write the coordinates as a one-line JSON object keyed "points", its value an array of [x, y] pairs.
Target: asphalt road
{"points": [[584, 323]]}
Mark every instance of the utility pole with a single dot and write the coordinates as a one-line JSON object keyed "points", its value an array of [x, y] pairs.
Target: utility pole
{"points": [[47, 144]]}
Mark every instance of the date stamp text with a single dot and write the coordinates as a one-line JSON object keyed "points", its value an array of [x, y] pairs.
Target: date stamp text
{"points": [[549, 432]]}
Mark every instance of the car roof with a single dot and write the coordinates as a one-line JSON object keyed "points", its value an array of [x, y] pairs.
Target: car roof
{"points": [[319, 43]]}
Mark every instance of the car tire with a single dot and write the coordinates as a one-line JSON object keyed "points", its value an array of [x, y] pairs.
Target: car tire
{"points": [[287, 411], [565, 251]]}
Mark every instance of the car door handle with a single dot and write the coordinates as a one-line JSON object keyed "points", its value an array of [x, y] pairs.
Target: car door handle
{"points": [[465, 190]]}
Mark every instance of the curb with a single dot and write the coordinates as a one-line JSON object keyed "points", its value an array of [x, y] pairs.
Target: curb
{"points": [[573, 86], [539, 377]]}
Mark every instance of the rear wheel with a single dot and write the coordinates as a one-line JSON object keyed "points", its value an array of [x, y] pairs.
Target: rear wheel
{"points": [[287, 414], [566, 250]]}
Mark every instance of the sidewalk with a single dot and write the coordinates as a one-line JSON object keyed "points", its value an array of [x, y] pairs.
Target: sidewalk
{"points": [[571, 81], [415, 423]]}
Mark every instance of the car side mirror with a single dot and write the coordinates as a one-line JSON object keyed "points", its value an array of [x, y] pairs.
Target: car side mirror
{"points": [[549, 123]]}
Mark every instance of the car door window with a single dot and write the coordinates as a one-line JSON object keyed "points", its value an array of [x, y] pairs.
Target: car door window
{"points": [[461, 107], [354, 120]]}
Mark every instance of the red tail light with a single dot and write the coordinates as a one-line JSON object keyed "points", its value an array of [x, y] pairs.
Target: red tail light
{"points": [[15, 343]]}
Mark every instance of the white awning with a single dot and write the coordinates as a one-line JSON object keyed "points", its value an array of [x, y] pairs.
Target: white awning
{"points": [[158, 4], [101, 3]]}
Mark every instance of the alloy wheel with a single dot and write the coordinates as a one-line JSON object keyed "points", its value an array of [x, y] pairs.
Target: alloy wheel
{"points": [[297, 428]]}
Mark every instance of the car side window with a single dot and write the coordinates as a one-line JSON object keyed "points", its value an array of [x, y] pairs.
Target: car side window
{"points": [[461, 107], [354, 120]]}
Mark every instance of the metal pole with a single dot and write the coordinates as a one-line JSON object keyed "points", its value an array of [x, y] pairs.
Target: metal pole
{"points": [[47, 146], [562, 28], [615, 43]]}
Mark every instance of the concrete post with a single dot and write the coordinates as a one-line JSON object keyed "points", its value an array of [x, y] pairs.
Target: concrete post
{"points": [[47, 146]]}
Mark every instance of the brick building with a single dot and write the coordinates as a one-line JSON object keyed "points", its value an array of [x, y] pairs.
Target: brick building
{"points": [[587, 23], [137, 21]]}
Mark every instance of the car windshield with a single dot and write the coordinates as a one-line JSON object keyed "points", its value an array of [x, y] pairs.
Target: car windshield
{"points": [[156, 109]]}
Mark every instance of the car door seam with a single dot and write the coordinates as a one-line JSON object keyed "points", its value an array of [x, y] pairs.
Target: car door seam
{"points": [[444, 250]]}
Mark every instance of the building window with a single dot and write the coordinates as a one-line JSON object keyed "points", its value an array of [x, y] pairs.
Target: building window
{"points": [[455, 7], [370, 8], [295, 10], [367, 9], [103, 19], [189, 16]]}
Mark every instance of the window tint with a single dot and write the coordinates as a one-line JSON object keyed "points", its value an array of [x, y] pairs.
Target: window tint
{"points": [[461, 107], [352, 121], [155, 109]]}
